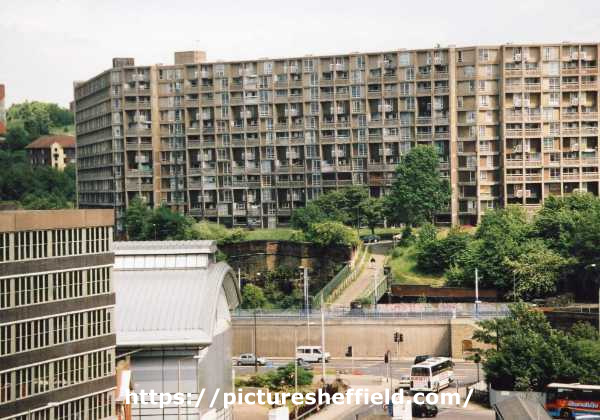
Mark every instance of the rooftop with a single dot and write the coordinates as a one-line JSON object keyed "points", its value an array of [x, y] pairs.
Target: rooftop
{"points": [[45, 142]]}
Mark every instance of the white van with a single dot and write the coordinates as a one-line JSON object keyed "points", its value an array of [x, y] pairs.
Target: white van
{"points": [[311, 354]]}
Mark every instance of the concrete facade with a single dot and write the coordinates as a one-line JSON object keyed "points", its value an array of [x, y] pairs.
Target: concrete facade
{"points": [[246, 142], [369, 338], [57, 341]]}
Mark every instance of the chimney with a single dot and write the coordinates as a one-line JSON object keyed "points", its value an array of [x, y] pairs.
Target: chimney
{"points": [[123, 62], [190, 57]]}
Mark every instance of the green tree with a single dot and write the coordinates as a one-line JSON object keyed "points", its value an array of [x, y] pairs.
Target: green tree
{"points": [[253, 297], [438, 255], [418, 192], [536, 270], [166, 224], [16, 135], [354, 200], [34, 115], [427, 234], [303, 217], [497, 240], [331, 233], [137, 218], [372, 212], [526, 353]]}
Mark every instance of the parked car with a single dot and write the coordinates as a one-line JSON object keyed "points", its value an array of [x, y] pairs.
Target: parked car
{"points": [[421, 358], [424, 410], [311, 354], [304, 365], [370, 239], [404, 382], [248, 359]]}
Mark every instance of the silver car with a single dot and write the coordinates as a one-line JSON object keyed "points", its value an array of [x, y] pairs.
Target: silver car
{"points": [[249, 359]]}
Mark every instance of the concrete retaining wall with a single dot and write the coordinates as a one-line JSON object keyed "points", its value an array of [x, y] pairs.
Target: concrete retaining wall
{"points": [[369, 338]]}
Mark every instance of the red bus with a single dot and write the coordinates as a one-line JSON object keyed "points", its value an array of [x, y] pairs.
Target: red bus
{"points": [[567, 401]]}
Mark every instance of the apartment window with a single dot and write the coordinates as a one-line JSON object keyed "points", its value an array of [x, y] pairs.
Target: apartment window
{"points": [[483, 100], [68, 372], [360, 61], [361, 150], [554, 99], [30, 335], [314, 108], [71, 410], [99, 406], [4, 246], [308, 66], [459, 56], [357, 76], [31, 290], [356, 91], [5, 339], [225, 98], [314, 79], [4, 293], [484, 55], [469, 71], [483, 175], [356, 106], [68, 285], [552, 68], [268, 67], [548, 143], [410, 73], [460, 101], [32, 380], [219, 70], [404, 59], [5, 387]]}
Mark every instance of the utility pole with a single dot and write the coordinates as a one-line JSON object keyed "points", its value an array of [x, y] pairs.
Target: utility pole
{"points": [[477, 302], [323, 339], [306, 303], [255, 349]]}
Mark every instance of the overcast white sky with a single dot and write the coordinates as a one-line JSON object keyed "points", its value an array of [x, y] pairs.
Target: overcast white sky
{"points": [[46, 44]]}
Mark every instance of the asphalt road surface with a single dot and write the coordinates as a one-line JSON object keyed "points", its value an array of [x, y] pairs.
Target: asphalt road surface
{"points": [[464, 372]]}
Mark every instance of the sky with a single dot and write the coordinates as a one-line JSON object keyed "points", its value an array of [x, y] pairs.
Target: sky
{"points": [[47, 44]]}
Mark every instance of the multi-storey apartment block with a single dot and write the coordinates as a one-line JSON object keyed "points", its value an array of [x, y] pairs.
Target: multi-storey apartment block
{"points": [[247, 142], [57, 341]]}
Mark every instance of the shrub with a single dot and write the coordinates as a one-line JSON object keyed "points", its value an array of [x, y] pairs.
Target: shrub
{"points": [[331, 233]]}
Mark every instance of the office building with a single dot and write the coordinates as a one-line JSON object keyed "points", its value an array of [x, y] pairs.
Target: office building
{"points": [[246, 142], [57, 346], [52, 150]]}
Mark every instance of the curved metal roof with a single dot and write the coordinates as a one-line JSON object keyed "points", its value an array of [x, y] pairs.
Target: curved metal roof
{"points": [[168, 307]]}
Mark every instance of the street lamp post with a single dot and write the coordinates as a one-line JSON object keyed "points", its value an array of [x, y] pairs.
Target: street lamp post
{"points": [[306, 303]]}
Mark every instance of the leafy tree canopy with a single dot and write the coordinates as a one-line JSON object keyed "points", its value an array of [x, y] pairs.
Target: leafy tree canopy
{"points": [[418, 192]]}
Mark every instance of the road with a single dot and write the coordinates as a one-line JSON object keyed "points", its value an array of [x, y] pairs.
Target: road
{"points": [[464, 372], [364, 282]]}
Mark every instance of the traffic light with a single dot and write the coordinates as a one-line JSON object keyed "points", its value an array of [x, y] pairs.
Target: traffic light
{"points": [[398, 337], [386, 358], [349, 351]]}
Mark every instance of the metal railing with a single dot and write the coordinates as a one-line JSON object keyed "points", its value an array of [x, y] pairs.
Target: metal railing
{"points": [[366, 313], [341, 280]]}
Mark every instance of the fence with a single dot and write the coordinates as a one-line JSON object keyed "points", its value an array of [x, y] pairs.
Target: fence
{"points": [[367, 313], [341, 280]]}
